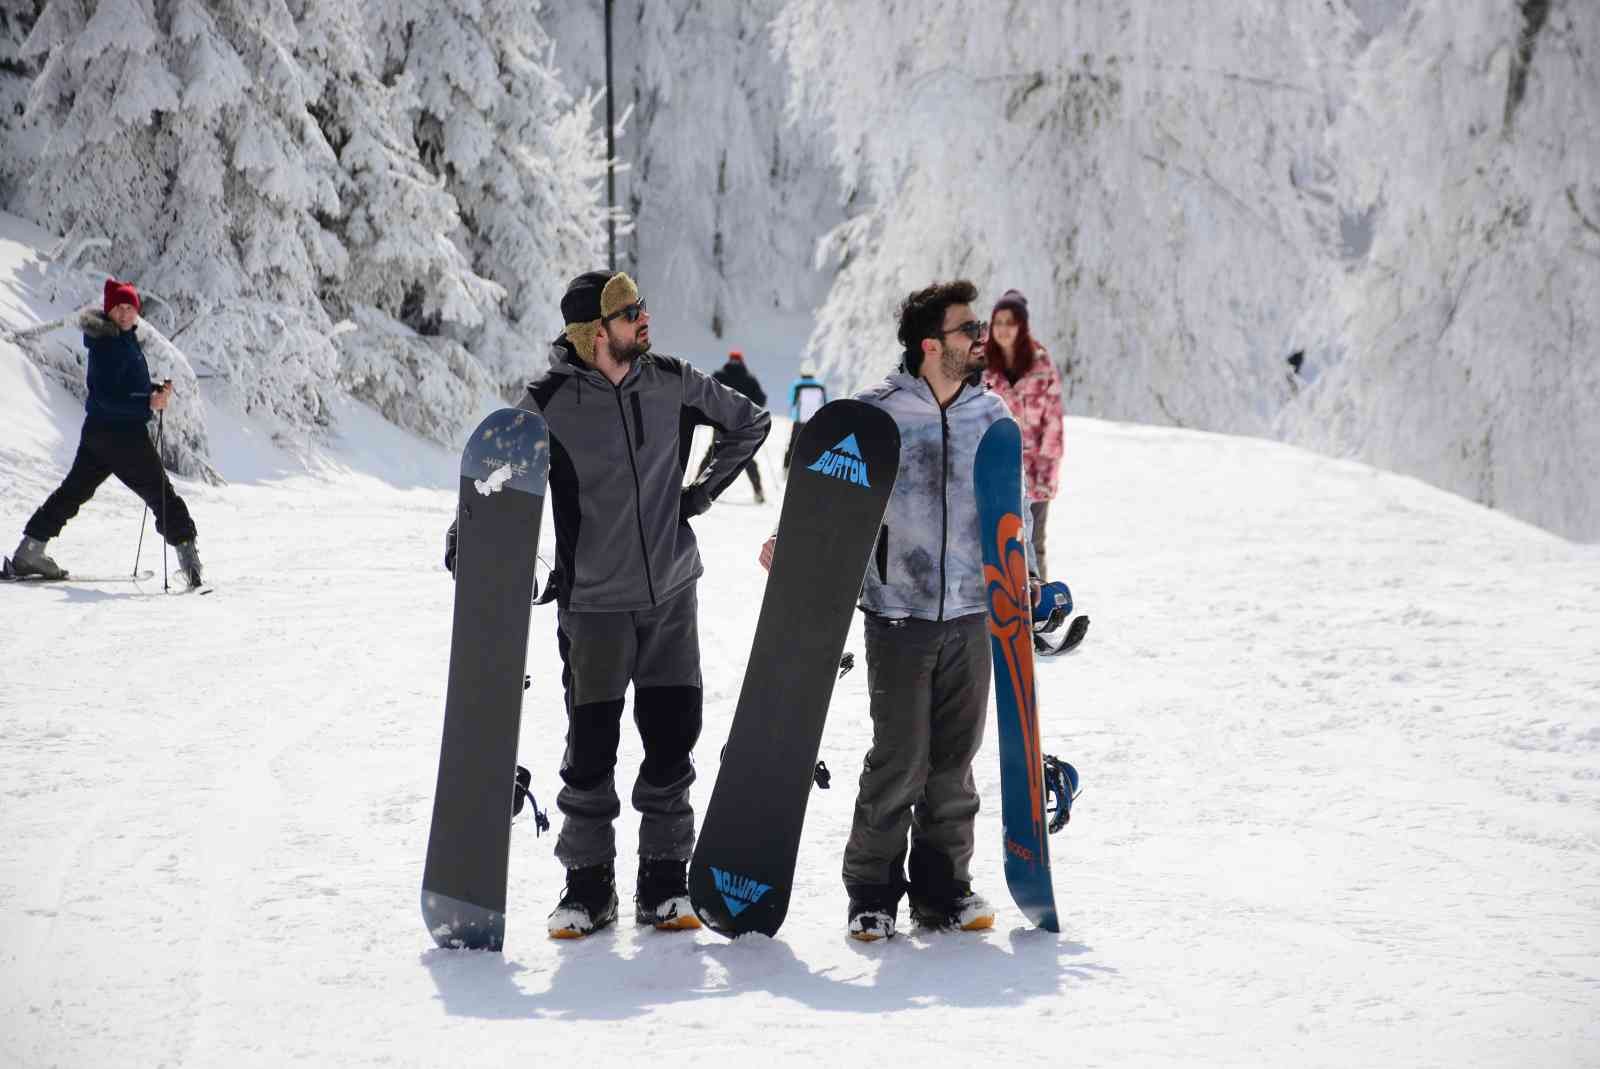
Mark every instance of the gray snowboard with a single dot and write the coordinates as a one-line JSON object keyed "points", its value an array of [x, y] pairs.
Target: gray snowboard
{"points": [[503, 472]]}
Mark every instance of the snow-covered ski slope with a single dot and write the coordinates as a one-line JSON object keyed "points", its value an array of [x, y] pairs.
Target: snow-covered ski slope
{"points": [[1339, 733]]}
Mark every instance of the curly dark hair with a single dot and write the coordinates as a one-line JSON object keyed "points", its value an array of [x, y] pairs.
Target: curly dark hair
{"points": [[922, 316]]}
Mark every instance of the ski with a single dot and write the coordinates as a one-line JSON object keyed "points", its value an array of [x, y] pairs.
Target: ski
{"points": [[7, 574]]}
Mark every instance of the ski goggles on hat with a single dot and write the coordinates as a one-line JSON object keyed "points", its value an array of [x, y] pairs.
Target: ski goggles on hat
{"points": [[631, 313]]}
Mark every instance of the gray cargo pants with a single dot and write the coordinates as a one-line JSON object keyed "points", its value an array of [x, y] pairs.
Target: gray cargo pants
{"points": [[930, 698], [658, 651]]}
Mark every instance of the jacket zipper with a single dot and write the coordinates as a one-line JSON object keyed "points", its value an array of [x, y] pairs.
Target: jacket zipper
{"points": [[944, 504], [638, 517], [638, 417]]}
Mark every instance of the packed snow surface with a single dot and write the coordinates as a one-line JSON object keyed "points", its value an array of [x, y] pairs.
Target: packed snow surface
{"points": [[1339, 735]]}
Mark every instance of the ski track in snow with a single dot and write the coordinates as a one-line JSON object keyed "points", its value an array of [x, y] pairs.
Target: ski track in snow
{"points": [[1338, 733]]}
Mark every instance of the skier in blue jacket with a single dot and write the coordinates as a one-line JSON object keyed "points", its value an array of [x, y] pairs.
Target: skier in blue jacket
{"points": [[806, 395], [115, 440]]}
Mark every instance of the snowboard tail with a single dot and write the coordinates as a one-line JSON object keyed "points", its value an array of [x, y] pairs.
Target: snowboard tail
{"points": [[841, 476], [998, 477], [503, 471]]}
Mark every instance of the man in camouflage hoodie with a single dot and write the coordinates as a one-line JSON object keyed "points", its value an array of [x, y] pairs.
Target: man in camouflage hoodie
{"points": [[927, 640]]}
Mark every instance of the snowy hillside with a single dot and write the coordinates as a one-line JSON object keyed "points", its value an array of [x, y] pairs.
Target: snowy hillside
{"points": [[1338, 731]]}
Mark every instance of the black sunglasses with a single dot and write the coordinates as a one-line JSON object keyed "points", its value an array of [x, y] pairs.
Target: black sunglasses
{"points": [[630, 313], [972, 328]]}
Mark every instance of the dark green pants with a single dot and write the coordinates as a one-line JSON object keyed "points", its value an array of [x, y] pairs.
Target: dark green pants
{"points": [[930, 699]]}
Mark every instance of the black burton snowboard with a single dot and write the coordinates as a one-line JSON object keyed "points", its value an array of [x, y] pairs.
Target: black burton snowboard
{"points": [[841, 475], [503, 471]]}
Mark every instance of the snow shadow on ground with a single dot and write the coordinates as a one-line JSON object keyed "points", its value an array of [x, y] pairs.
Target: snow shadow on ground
{"points": [[67, 590], [596, 980]]}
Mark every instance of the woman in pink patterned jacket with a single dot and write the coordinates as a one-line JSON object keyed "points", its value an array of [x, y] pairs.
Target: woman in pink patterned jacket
{"points": [[1023, 375]]}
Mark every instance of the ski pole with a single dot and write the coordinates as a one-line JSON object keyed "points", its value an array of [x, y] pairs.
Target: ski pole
{"points": [[161, 468], [139, 551]]}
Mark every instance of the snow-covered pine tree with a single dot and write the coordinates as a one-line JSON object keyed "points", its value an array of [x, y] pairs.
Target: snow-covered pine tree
{"points": [[180, 131], [245, 247], [19, 144], [405, 277], [103, 90], [1402, 191], [1123, 168], [1461, 345], [521, 157], [103, 79], [727, 197]]}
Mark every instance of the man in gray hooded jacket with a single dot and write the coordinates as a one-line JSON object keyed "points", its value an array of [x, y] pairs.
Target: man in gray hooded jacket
{"points": [[927, 640], [621, 419]]}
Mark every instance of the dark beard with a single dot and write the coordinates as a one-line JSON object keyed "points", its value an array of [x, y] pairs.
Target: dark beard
{"points": [[957, 365], [629, 353]]}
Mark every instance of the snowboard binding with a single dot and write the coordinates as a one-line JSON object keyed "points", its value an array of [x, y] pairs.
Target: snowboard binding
{"points": [[1052, 610], [1053, 607], [524, 794], [1076, 630], [1061, 788]]}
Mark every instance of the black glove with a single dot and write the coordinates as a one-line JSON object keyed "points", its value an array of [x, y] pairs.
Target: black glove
{"points": [[694, 501], [450, 551]]}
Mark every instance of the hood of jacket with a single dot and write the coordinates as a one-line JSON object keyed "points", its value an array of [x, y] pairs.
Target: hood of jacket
{"points": [[96, 324]]}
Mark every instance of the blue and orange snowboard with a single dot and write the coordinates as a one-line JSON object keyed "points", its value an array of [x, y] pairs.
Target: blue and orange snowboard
{"points": [[997, 475]]}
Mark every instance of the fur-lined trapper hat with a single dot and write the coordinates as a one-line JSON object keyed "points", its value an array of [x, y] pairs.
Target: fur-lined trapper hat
{"points": [[591, 297]]}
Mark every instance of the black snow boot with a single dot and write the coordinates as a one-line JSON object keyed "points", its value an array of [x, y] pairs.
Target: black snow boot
{"points": [[965, 911], [588, 904], [663, 895], [871, 920]]}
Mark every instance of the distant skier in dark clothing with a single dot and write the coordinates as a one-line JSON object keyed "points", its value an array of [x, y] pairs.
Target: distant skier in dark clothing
{"points": [[735, 376], [806, 395], [115, 440]]}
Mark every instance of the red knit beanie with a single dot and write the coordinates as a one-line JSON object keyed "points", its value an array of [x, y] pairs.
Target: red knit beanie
{"points": [[121, 293], [734, 354]]}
